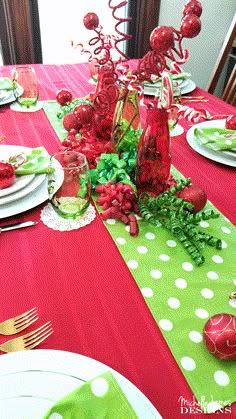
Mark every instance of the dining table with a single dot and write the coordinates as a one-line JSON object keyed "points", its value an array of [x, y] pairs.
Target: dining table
{"points": [[83, 283]]}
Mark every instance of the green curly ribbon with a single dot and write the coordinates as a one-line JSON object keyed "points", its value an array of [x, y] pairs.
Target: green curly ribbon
{"points": [[173, 214]]}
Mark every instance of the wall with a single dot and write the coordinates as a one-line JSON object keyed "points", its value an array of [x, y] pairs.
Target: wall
{"points": [[204, 49], [62, 20]]}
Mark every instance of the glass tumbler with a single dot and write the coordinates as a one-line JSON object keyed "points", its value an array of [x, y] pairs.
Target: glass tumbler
{"points": [[69, 185], [25, 86]]}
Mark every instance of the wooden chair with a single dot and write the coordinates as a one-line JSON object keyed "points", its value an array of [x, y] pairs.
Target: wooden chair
{"points": [[229, 94], [222, 58]]}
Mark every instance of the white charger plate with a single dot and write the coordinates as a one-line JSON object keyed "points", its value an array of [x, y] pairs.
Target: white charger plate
{"points": [[185, 87], [33, 381], [223, 157]]}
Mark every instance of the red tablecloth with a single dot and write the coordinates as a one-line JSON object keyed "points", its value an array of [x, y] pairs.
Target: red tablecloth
{"points": [[78, 279]]}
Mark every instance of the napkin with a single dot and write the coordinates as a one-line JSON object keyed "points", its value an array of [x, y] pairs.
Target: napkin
{"points": [[179, 77], [216, 138], [98, 398], [5, 83], [37, 162]]}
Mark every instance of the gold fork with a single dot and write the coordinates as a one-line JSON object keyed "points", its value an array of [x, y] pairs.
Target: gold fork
{"points": [[18, 323], [29, 340]]}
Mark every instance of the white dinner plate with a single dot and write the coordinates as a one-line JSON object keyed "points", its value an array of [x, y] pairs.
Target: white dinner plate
{"points": [[33, 381], [223, 157], [38, 179], [186, 86], [10, 97], [19, 183]]}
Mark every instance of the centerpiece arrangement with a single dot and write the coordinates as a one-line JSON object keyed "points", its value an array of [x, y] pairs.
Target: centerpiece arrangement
{"points": [[130, 167]]}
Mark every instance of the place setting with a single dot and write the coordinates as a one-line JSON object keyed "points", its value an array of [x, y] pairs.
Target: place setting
{"points": [[29, 177], [215, 139], [23, 178]]}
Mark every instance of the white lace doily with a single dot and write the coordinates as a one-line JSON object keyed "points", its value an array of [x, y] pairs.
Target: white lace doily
{"points": [[178, 130], [52, 220]]}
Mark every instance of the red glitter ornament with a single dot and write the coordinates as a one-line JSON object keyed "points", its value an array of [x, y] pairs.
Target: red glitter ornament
{"points": [[195, 195], [64, 97], [7, 175], [219, 335], [230, 122]]}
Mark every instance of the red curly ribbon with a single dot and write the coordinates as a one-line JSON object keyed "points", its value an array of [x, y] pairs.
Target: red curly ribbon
{"points": [[122, 36]]}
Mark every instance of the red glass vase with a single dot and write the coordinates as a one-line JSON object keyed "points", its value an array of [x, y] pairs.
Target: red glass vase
{"points": [[126, 122], [154, 155]]}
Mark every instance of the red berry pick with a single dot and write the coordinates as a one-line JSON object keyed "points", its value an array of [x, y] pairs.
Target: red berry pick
{"points": [[162, 38], [190, 26], [7, 175], [193, 7], [91, 21]]}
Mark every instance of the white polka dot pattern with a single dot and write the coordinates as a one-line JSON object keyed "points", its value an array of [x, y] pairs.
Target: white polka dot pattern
{"points": [[182, 296]]}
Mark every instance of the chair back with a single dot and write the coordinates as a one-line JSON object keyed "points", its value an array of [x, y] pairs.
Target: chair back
{"points": [[229, 94], [222, 58]]}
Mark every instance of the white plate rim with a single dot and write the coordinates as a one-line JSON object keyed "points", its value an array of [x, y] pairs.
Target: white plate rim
{"points": [[37, 180], [19, 183], [206, 152], [188, 88], [71, 364]]}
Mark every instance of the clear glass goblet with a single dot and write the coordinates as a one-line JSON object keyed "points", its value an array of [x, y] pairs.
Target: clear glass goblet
{"points": [[25, 86], [69, 185]]}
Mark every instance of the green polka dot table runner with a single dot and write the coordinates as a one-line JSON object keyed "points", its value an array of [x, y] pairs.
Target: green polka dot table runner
{"points": [[182, 296]]}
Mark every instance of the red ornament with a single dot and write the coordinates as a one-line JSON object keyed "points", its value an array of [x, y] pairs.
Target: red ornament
{"points": [[162, 38], [195, 195], [84, 114], [230, 122], [70, 122], [7, 175], [64, 97], [190, 26], [91, 21], [194, 7], [219, 336]]}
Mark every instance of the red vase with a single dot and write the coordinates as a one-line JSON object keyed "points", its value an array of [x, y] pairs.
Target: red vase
{"points": [[126, 121], [154, 156]]}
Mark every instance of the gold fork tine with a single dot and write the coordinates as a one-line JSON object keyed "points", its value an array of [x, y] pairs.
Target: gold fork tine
{"points": [[27, 314], [29, 340], [18, 323], [38, 339], [31, 335]]}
